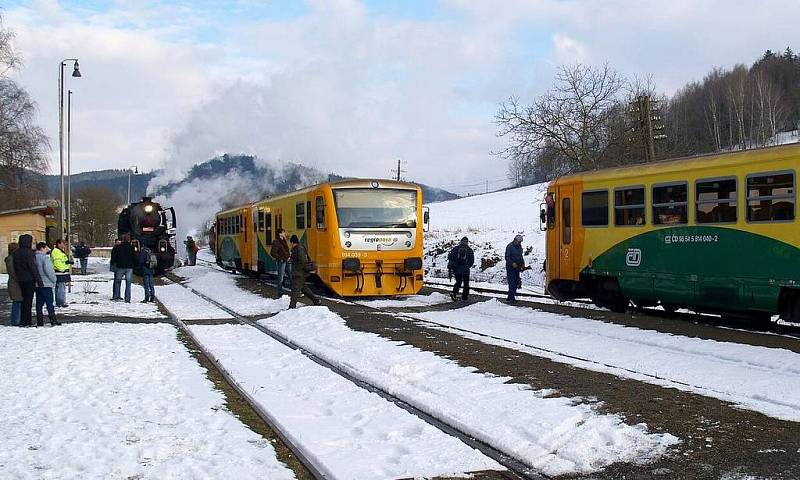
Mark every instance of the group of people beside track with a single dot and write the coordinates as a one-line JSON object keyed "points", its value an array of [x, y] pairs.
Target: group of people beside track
{"points": [[292, 262], [461, 259], [124, 259], [41, 272]]}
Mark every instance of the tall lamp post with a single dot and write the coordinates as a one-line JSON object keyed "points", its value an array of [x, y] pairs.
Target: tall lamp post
{"points": [[75, 73], [131, 169], [69, 173]]}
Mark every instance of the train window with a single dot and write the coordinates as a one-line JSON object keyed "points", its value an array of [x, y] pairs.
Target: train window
{"points": [[268, 227], [566, 221], [320, 213], [716, 201], [670, 204], [300, 215], [629, 206], [770, 197], [594, 209], [261, 226]]}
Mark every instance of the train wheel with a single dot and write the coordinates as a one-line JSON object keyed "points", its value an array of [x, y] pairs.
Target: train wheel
{"points": [[760, 319]]}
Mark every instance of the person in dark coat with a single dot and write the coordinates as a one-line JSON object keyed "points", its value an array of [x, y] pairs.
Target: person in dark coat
{"points": [[301, 264], [14, 292], [113, 268], [123, 257], [280, 252], [191, 250], [27, 276], [460, 259], [515, 264], [82, 252], [143, 259]]}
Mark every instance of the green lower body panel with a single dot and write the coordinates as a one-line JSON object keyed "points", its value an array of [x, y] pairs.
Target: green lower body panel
{"points": [[710, 267]]}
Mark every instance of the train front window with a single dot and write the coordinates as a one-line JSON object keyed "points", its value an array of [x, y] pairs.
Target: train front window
{"points": [[629, 206], [670, 204], [716, 201], [770, 197], [375, 208]]}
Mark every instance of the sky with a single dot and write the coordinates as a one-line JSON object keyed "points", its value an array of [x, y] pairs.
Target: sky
{"points": [[350, 86]]}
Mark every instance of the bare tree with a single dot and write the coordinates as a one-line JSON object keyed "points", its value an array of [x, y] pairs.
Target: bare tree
{"points": [[572, 119], [22, 141], [94, 215]]}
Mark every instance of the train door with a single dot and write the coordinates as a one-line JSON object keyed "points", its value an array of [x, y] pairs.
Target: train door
{"points": [[565, 232], [252, 250]]}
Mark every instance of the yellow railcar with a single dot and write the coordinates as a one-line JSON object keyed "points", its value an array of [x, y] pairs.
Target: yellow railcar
{"points": [[365, 236], [713, 233]]}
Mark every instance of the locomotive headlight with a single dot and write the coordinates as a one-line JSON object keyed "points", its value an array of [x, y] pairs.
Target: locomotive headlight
{"points": [[348, 244], [408, 234], [346, 234], [148, 208], [408, 243]]}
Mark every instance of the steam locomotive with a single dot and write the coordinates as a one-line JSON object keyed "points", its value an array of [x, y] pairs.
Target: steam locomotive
{"points": [[151, 226]]}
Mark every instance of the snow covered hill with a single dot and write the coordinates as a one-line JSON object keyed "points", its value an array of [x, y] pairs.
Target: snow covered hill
{"points": [[490, 222]]}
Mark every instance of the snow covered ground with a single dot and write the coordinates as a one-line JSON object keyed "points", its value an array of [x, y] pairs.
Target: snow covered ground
{"points": [[490, 222], [434, 298], [185, 305], [763, 379], [221, 287], [97, 401], [555, 435]]}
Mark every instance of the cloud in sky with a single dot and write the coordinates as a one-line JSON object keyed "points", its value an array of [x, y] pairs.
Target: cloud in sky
{"points": [[350, 86]]}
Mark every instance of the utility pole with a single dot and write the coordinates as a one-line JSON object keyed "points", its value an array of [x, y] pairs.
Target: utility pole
{"points": [[399, 170], [647, 122]]}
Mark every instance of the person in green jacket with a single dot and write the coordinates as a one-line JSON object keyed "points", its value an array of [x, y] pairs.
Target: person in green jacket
{"points": [[61, 264], [300, 268]]}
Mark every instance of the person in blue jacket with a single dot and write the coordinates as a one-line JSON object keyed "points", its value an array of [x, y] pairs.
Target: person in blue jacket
{"points": [[460, 259], [515, 264]]}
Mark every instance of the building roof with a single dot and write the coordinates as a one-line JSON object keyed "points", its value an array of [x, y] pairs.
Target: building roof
{"points": [[42, 209]]}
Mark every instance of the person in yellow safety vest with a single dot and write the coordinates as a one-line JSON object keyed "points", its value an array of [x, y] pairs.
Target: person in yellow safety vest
{"points": [[61, 264]]}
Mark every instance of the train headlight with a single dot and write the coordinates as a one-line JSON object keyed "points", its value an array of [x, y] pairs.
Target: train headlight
{"points": [[148, 208], [348, 244], [408, 234], [408, 243], [346, 234]]}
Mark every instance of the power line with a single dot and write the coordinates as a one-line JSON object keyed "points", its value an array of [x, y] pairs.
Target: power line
{"points": [[399, 170]]}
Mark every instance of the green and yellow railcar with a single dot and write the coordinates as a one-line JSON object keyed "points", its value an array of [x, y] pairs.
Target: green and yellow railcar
{"points": [[365, 236], [716, 233]]}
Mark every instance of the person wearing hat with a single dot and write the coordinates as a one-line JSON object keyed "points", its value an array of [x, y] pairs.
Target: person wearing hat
{"points": [[515, 264], [460, 259], [301, 267]]}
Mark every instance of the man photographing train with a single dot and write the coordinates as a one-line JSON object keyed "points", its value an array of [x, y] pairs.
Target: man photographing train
{"points": [[515, 264]]}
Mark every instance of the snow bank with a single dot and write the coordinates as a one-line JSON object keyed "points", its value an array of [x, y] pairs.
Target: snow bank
{"points": [[763, 379], [490, 222], [221, 287], [97, 401], [354, 434], [434, 298], [554, 435]]}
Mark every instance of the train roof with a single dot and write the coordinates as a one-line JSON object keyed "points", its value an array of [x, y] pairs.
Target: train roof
{"points": [[695, 162], [346, 183]]}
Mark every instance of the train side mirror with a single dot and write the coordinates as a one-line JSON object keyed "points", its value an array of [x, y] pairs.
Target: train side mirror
{"points": [[426, 219], [542, 217]]}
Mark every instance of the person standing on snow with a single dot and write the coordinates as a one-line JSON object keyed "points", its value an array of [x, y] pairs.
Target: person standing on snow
{"points": [[301, 266], [191, 250], [123, 257], [14, 290], [515, 264], [280, 252], [112, 266], [61, 264], [148, 262], [82, 252], [44, 293], [27, 276], [460, 259]]}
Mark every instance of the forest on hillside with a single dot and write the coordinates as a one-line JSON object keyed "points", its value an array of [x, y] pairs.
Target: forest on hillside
{"points": [[593, 117]]}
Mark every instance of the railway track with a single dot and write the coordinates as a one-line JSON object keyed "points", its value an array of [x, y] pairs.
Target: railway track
{"points": [[515, 466]]}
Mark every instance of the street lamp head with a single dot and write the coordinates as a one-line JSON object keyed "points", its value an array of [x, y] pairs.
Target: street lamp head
{"points": [[76, 72]]}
